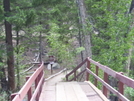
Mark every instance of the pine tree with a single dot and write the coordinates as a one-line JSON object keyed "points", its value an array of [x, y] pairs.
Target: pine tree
{"points": [[9, 46]]}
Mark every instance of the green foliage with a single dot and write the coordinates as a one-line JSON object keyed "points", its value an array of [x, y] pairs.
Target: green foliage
{"points": [[46, 2], [2, 55], [22, 18], [79, 49], [1, 13], [30, 16], [58, 48], [3, 96], [129, 92], [111, 44], [114, 37], [18, 19]]}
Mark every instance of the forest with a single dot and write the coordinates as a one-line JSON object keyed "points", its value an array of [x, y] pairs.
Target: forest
{"points": [[71, 30]]}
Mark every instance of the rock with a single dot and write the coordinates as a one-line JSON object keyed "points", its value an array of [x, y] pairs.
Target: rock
{"points": [[54, 66]]}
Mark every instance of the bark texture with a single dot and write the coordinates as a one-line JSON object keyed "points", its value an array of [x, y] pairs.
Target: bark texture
{"points": [[9, 47], [85, 35]]}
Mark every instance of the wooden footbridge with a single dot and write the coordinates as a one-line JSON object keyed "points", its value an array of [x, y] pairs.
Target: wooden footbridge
{"points": [[38, 89]]}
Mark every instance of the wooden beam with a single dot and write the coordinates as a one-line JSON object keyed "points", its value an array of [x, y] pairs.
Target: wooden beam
{"points": [[97, 91]]}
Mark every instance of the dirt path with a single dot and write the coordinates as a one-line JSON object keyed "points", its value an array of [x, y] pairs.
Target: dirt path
{"points": [[56, 79]]}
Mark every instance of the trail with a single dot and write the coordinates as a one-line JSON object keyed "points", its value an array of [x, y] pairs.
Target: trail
{"points": [[49, 87], [56, 79]]}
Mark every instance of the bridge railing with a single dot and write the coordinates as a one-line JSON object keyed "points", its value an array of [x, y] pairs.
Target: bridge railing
{"points": [[122, 80], [33, 93]]}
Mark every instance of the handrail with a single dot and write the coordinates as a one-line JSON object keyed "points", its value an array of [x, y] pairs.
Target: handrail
{"points": [[29, 67], [38, 79], [123, 98], [75, 69], [123, 80], [104, 68], [74, 78]]}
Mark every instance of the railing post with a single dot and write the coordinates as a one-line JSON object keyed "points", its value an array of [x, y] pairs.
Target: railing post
{"points": [[106, 80], [12, 96], [88, 66], [51, 68], [66, 78], [36, 84], [74, 75], [41, 74], [29, 93], [121, 87], [97, 68]]}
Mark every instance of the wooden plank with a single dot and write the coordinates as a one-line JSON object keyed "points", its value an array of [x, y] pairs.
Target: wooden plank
{"points": [[60, 92], [48, 93], [79, 92], [69, 91], [89, 91], [97, 91], [95, 98]]}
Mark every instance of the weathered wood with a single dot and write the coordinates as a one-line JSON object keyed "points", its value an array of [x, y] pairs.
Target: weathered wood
{"points": [[66, 91], [48, 93], [98, 92], [90, 92], [22, 93], [104, 68], [97, 68], [106, 80], [12, 96], [123, 80], [75, 69], [77, 75], [29, 93], [36, 84], [126, 80], [121, 88], [69, 91], [60, 93], [88, 66], [122, 97], [36, 94]]}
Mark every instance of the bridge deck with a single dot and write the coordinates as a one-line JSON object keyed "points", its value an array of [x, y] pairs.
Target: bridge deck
{"points": [[71, 91]]}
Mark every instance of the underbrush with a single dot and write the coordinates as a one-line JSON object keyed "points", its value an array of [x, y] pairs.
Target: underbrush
{"points": [[3, 96]]}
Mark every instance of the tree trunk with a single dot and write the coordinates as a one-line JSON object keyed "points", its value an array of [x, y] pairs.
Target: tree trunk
{"points": [[9, 47], [127, 67], [80, 42], [130, 51], [40, 47], [17, 61], [85, 36]]}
